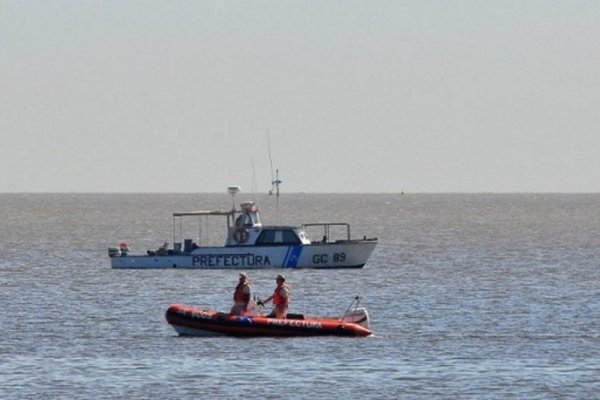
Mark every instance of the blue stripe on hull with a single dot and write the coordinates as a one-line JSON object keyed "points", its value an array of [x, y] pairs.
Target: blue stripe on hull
{"points": [[292, 257]]}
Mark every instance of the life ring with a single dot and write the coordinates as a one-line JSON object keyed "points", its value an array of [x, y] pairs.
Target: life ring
{"points": [[240, 235]]}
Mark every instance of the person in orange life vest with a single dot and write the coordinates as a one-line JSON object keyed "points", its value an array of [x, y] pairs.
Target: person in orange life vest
{"points": [[242, 297], [280, 297]]}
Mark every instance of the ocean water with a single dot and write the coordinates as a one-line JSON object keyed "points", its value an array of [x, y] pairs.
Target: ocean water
{"points": [[470, 296]]}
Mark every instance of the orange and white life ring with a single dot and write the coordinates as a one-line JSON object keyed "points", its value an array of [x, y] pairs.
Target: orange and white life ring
{"points": [[240, 235]]}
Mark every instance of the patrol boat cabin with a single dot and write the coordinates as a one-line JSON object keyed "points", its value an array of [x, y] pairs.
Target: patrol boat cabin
{"points": [[250, 244]]}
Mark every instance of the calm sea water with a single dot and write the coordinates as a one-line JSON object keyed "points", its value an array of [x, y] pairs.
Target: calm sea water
{"points": [[470, 296]]}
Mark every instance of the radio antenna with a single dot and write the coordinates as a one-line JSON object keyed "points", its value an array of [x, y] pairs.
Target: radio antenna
{"points": [[270, 162], [275, 182]]}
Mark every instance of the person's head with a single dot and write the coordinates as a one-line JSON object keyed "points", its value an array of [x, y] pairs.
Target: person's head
{"points": [[280, 278], [243, 276]]}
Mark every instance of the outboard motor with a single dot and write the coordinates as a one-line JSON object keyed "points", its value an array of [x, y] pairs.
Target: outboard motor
{"points": [[124, 248], [357, 315]]}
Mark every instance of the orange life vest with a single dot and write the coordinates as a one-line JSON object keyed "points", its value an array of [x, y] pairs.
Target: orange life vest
{"points": [[278, 300]]}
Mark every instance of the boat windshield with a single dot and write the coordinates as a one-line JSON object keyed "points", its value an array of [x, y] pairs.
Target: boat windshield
{"points": [[278, 237], [248, 220]]}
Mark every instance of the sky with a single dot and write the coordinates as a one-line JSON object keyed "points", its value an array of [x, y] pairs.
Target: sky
{"points": [[340, 96]]}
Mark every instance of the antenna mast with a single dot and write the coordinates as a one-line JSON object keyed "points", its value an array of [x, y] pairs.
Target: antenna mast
{"points": [[276, 184]]}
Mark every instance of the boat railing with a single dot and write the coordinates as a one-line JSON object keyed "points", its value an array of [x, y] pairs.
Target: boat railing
{"points": [[326, 228], [178, 227]]}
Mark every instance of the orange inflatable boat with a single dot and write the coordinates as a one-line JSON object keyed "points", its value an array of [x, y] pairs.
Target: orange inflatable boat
{"points": [[191, 321]]}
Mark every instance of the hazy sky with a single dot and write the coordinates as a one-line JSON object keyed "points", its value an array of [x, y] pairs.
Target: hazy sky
{"points": [[356, 96]]}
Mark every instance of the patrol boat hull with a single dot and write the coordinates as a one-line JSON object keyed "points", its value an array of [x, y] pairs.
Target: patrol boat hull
{"points": [[346, 254], [250, 245], [191, 321]]}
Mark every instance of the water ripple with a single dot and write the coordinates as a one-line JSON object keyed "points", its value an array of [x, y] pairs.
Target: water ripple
{"points": [[470, 296]]}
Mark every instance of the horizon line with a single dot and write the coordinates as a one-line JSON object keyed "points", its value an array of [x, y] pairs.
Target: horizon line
{"points": [[307, 192]]}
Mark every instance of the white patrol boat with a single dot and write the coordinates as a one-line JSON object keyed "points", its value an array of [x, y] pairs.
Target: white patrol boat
{"points": [[250, 245]]}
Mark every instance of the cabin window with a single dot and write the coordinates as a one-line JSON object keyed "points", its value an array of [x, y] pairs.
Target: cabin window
{"points": [[254, 220], [278, 237], [247, 220], [289, 237]]}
